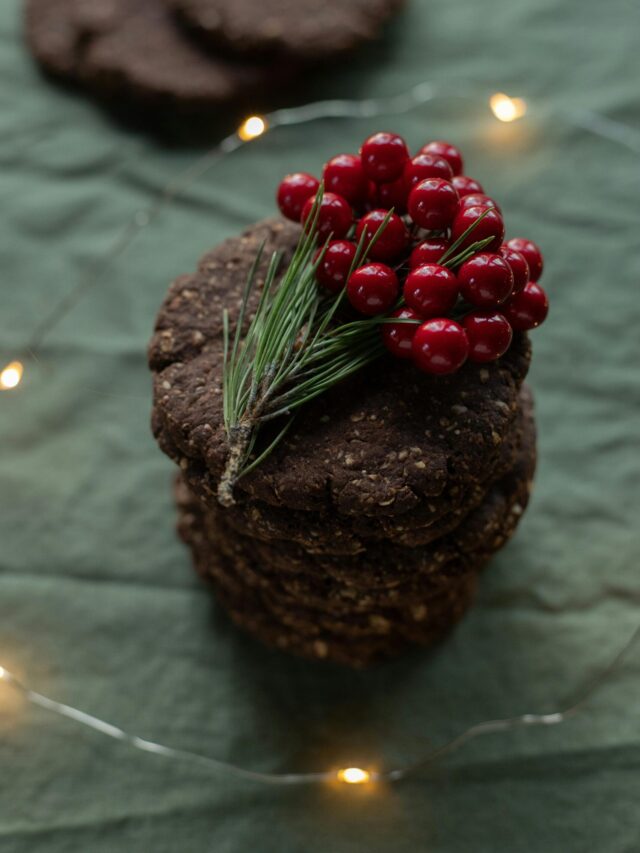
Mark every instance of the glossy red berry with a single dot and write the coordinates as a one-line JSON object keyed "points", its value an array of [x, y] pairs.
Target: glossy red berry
{"points": [[384, 156], [447, 151], [293, 192], [428, 252], [334, 217], [489, 335], [440, 346], [486, 280], [491, 225], [466, 185], [372, 289], [433, 204], [345, 176], [431, 290], [532, 255], [424, 166], [333, 270], [391, 242], [398, 337], [519, 267], [393, 195], [479, 200], [527, 309]]}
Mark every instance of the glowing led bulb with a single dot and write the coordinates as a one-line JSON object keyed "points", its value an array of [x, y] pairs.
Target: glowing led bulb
{"points": [[11, 376], [354, 775], [505, 108], [2, 672], [251, 128]]}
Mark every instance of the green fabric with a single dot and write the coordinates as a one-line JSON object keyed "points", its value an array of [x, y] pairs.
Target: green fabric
{"points": [[98, 605]]}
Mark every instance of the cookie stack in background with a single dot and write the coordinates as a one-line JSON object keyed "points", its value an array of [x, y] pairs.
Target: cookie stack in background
{"points": [[192, 57], [365, 530]]}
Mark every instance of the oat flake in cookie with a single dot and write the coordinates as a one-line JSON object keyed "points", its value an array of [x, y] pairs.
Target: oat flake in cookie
{"points": [[306, 30], [352, 427]]}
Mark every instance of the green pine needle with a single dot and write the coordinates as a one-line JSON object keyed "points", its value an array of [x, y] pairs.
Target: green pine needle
{"points": [[294, 348]]}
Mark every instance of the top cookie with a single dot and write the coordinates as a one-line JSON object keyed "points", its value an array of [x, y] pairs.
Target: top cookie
{"points": [[305, 29], [133, 51], [384, 442]]}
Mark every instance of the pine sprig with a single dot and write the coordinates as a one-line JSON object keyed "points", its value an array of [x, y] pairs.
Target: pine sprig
{"points": [[295, 347]]}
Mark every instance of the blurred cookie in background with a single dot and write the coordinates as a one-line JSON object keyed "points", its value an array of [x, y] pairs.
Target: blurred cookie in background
{"points": [[307, 30], [146, 62], [133, 51]]}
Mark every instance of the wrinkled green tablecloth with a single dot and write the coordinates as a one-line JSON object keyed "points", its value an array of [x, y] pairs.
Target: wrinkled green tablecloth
{"points": [[98, 606]]}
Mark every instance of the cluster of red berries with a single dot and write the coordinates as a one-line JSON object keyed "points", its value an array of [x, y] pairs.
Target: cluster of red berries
{"points": [[410, 273]]}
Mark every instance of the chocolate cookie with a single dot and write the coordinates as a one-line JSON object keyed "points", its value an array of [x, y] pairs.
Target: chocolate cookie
{"points": [[304, 29], [133, 51], [325, 533], [251, 612], [385, 576], [353, 611], [386, 444], [412, 623]]}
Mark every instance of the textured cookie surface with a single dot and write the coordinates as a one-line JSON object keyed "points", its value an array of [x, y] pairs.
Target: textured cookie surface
{"points": [[383, 576], [306, 29], [357, 641], [135, 51], [389, 442], [307, 609], [324, 532]]}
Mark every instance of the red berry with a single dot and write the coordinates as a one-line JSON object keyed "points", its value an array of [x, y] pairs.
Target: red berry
{"points": [[466, 186], [372, 289], [293, 192], [519, 267], [345, 176], [479, 200], [440, 346], [428, 252], [393, 195], [433, 204], [335, 215], [489, 335], [447, 151], [383, 156], [391, 242], [431, 290], [333, 270], [485, 280], [424, 166], [397, 337], [532, 255], [527, 309], [491, 225]]}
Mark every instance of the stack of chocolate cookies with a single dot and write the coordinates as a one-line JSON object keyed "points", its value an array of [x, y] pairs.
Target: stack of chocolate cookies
{"points": [[366, 528], [190, 57]]}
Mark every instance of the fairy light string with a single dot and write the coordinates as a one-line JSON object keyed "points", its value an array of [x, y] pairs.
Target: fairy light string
{"points": [[346, 775], [505, 109]]}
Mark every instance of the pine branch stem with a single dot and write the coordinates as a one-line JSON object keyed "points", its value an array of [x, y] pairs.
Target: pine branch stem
{"points": [[239, 439]]}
